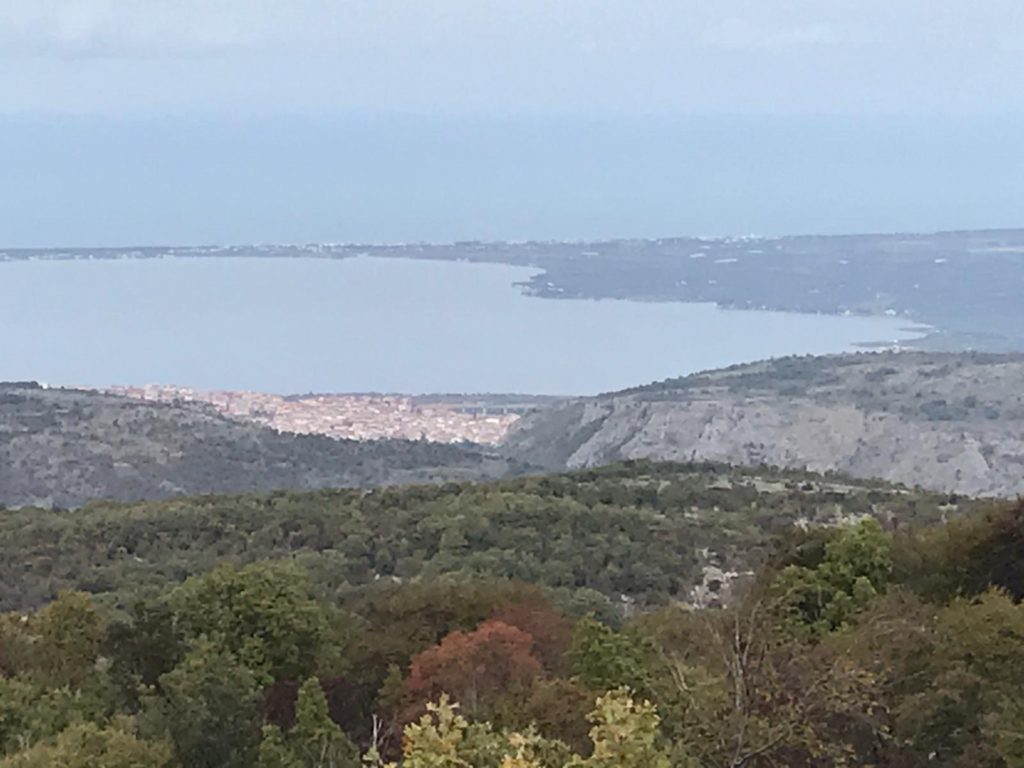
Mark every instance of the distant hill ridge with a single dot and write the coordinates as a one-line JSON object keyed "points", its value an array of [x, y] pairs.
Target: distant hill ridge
{"points": [[949, 422], [66, 447]]}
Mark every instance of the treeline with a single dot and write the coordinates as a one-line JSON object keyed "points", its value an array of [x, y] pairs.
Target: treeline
{"points": [[852, 645], [639, 533]]}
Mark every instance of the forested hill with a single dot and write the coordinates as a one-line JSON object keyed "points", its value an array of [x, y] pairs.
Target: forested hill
{"points": [[853, 646], [626, 535], [950, 422], [64, 448]]}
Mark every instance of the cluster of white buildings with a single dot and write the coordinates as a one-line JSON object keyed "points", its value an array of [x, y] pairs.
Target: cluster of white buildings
{"points": [[355, 417]]}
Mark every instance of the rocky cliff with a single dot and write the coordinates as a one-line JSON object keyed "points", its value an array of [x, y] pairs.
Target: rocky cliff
{"points": [[950, 422]]}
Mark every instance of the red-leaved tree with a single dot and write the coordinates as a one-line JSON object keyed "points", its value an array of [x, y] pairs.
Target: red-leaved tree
{"points": [[474, 668], [550, 630]]}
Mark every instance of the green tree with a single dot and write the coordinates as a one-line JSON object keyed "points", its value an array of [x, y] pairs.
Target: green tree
{"points": [[30, 713], [603, 659], [1006, 730], [973, 667], [315, 741], [856, 567], [142, 648], [735, 690], [210, 710], [274, 750], [67, 635], [88, 745], [967, 556], [262, 613]]}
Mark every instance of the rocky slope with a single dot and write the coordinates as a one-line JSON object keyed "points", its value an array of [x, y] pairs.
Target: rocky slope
{"points": [[65, 447], [950, 422]]}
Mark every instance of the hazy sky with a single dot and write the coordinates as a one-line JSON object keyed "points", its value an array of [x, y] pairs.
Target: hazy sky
{"points": [[495, 57], [135, 121]]}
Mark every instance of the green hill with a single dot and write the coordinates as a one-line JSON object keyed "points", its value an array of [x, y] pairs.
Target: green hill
{"points": [[634, 533]]}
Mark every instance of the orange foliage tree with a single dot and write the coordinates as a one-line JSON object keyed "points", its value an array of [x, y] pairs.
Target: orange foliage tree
{"points": [[550, 630], [475, 668]]}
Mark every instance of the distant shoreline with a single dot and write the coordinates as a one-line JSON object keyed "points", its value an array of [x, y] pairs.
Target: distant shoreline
{"points": [[951, 287]]}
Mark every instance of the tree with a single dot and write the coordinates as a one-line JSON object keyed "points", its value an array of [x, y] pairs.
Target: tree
{"points": [[856, 567], [556, 707], [550, 630], [142, 648], [603, 659], [315, 741], [1006, 730], [15, 644], [67, 640], [274, 750], [967, 556], [348, 705], [972, 668], [474, 667], [263, 614], [59, 683], [403, 619], [625, 734], [31, 713], [893, 642], [434, 741], [90, 746], [734, 690], [210, 709]]}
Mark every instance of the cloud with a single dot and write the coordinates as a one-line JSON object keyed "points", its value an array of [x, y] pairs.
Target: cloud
{"points": [[148, 28], [122, 28], [471, 56]]}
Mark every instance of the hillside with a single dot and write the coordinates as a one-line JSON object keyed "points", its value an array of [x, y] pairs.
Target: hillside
{"points": [[949, 422], [64, 448], [271, 630], [638, 533]]}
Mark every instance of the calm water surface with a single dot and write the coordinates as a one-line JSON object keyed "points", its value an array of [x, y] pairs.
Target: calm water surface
{"points": [[369, 324]]}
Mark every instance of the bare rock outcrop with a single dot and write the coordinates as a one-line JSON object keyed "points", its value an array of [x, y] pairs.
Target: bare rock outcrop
{"points": [[948, 422]]}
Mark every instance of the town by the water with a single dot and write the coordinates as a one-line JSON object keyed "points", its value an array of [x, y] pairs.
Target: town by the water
{"points": [[437, 418]]}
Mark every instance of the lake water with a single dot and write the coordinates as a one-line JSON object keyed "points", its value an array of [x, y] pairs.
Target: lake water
{"points": [[370, 325]]}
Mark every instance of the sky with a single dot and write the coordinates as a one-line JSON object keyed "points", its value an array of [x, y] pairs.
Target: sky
{"points": [[134, 121]]}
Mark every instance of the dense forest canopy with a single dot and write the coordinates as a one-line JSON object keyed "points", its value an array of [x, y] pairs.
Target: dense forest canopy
{"points": [[334, 628], [639, 533]]}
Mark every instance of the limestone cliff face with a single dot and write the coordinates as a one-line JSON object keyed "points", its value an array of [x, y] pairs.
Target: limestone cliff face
{"points": [[946, 422]]}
